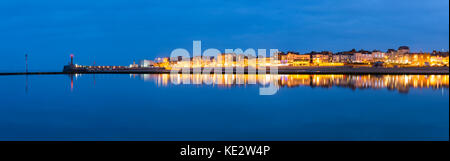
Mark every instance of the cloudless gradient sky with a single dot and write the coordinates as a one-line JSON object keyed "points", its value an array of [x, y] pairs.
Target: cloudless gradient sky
{"points": [[116, 32]]}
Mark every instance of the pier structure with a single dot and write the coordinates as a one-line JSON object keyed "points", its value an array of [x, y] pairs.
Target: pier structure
{"points": [[75, 68]]}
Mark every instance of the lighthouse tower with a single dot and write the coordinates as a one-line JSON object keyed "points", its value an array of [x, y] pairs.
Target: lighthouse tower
{"points": [[71, 59], [70, 67]]}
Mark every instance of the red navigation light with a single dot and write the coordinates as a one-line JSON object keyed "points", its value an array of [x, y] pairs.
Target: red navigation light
{"points": [[71, 55]]}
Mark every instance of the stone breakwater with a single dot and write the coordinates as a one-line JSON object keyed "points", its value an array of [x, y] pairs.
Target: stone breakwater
{"points": [[363, 70], [281, 70], [346, 70]]}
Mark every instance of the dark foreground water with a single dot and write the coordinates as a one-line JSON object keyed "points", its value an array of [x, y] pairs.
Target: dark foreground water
{"points": [[153, 107]]}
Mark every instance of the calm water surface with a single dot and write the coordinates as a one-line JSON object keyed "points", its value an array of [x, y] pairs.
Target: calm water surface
{"points": [[165, 107]]}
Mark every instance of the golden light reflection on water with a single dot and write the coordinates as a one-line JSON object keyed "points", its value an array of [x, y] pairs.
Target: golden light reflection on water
{"points": [[401, 83]]}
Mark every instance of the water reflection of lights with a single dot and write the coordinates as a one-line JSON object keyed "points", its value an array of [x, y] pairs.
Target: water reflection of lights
{"points": [[401, 83]]}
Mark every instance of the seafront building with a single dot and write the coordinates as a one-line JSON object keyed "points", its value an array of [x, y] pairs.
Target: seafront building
{"points": [[402, 57]]}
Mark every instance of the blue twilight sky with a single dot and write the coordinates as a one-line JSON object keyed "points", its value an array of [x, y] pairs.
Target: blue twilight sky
{"points": [[115, 32]]}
